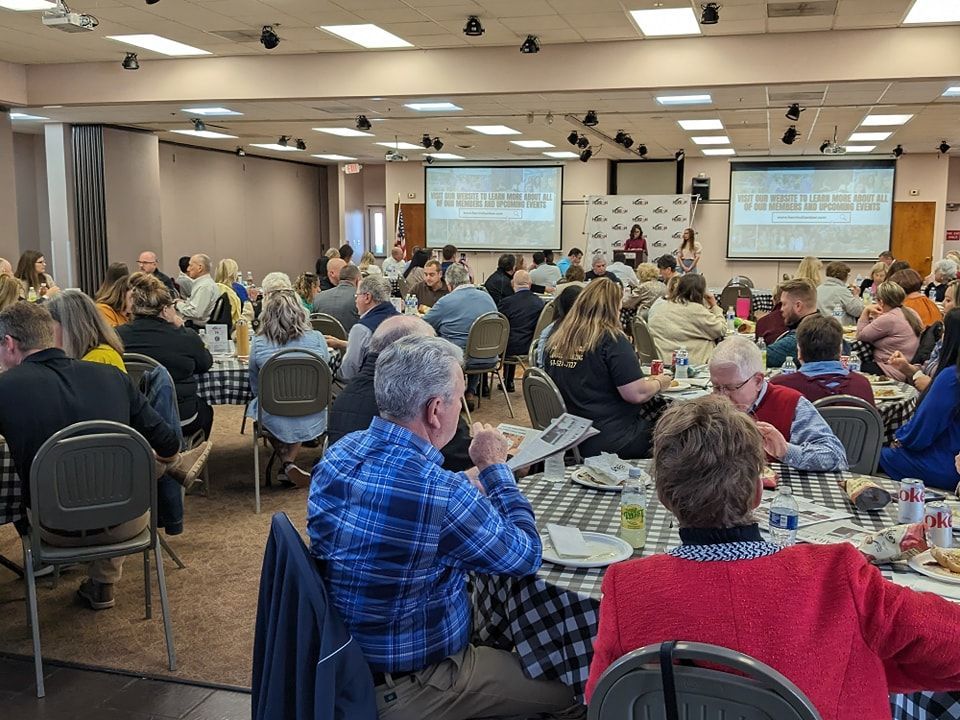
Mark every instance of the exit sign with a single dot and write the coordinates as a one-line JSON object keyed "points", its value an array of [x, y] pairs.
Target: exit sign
{"points": [[953, 235], [352, 168]]}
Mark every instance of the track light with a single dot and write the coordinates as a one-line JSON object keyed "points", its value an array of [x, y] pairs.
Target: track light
{"points": [[573, 137], [586, 154], [428, 159], [301, 145], [582, 142], [944, 147], [679, 155], [824, 145], [473, 28], [283, 140], [152, 2], [642, 150], [530, 45], [790, 135], [793, 112], [426, 141], [618, 138], [548, 118], [898, 151], [590, 119], [240, 152], [437, 144], [268, 38], [130, 62], [363, 123], [199, 125], [710, 14]]}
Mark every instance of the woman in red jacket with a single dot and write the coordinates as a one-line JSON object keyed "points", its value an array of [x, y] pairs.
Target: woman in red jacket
{"points": [[820, 614]]}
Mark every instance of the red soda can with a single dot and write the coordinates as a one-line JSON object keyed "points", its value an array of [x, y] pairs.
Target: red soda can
{"points": [[656, 367], [910, 507], [845, 362], [939, 521]]}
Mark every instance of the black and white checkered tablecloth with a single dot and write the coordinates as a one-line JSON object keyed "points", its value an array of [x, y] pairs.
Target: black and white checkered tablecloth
{"points": [[228, 381], [11, 489], [551, 618]]}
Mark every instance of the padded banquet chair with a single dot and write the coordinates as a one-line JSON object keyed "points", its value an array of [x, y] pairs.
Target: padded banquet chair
{"points": [[88, 476], [741, 280], [328, 325], [643, 342], [731, 293], [486, 342], [859, 426], [646, 684], [222, 314], [292, 383]]}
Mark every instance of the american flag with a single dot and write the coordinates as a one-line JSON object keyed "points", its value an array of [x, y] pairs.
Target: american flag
{"points": [[401, 231]]}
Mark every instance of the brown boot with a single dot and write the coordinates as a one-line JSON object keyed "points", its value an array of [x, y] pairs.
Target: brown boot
{"points": [[98, 596], [189, 464]]}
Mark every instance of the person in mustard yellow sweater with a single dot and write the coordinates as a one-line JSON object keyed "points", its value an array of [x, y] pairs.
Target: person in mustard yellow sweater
{"points": [[82, 332]]}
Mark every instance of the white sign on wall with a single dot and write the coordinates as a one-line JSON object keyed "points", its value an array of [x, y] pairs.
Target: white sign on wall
{"points": [[663, 219]]}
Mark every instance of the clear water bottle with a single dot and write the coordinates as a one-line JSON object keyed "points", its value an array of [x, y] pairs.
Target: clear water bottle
{"points": [[838, 312], [859, 280], [931, 292], [867, 296], [249, 279], [853, 364], [784, 517], [762, 346], [553, 468], [731, 319], [633, 509], [682, 371], [789, 366], [411, 305]]}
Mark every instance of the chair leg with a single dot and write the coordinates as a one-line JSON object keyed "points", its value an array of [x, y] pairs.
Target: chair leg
{"points": [[170, 551], [147, 595], [466, 409], [243, 423], [503, 389], [256, 471], [34, 619], [165, 610]]}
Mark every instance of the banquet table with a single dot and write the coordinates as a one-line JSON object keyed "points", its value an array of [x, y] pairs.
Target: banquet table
{"points": [[551, 618], [228, 381]]}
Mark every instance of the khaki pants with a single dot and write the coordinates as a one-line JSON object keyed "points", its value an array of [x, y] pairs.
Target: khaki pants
{"points": [[108, 571], [477, 682]]}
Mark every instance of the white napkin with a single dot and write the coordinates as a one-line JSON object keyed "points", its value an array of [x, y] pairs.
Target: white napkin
{"points": [[568, 541]]}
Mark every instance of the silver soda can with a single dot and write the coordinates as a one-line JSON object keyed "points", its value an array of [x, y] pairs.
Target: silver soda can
{"points": [[910, 507], [939, 522]]}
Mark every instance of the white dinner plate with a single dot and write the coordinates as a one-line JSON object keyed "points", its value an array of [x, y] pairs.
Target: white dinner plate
{"points": [[585, 478], [888, 394], [920, 564], [679, 387], [607, 550], [880, 380]]}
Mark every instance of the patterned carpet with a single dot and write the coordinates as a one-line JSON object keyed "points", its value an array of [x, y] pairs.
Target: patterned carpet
{"points": [[213, 599]]}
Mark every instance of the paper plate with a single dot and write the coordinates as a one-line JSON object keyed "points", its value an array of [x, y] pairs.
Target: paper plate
{"points": [[583, 477], [922, 563], [880, 380], [679, 387], [607, 549]]}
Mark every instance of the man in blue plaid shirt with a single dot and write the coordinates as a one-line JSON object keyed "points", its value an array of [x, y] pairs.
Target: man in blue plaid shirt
{"points": [[398, 534]]}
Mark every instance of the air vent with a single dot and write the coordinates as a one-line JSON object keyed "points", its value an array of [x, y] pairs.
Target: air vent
{"points": [[240, 36], [802, 9], [733, 127], [809, 98]]}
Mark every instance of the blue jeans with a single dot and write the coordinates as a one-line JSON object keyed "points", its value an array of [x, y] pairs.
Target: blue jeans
{"points": [[473, 381]]}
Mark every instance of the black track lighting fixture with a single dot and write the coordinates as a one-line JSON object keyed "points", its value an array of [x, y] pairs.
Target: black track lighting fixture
{"points": [[283, 140], [619, 137], [130, 62], [793, 112], [269, 38], [679, 155], [301, 145], [531, 45], [591, 119], [363, 123], [642, 150], [586, 154], [240, 152], [426, 141], [199, 125], [152, 2], [944, 147], [573, 137], [582, 142], [790, 135], [824, 145], [628, 142], [710, 14], [473, 28], [437, 144], [428, 159], [898, 151]]}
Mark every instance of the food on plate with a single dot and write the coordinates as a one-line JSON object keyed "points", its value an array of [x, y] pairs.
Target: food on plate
{"points": [[886, 392], [769, 478], [948, 558], [674, 383]]}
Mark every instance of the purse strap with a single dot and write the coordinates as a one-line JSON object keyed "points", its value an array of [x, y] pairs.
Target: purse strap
{"points": [[666, 678]]}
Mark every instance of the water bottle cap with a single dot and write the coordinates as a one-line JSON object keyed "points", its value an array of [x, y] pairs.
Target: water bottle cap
{"points": [[785, 490]]}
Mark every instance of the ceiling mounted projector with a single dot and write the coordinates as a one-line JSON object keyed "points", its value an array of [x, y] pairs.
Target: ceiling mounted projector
{"points": [[395, 156], [60, 18]]}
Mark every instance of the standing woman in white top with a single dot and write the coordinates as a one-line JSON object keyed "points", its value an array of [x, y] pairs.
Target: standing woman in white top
{"points": [[688, 256]]}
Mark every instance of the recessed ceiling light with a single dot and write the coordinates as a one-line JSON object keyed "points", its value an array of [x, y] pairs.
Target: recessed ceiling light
{"points": [[433, 106], [400, 145], [859, 148], [26, 116], [335, 157], [494, 129], [275, 146], [158, 44], [666, 21], [444, 156], [532, 143], [933, 11], [22, 5], [209, 134], [344, 132], [719, 151], [869, 136], [562, 154], [700, 124], [684, 99], [711, 140], [880, 120], [952, 91], [211, 111], [367, 35]]}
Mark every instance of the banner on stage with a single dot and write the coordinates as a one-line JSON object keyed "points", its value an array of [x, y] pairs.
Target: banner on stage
{"points": [[663, 219]]}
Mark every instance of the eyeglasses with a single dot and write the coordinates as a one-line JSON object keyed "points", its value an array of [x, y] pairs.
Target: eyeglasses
{"points": [[146, 262], [730, 389]]}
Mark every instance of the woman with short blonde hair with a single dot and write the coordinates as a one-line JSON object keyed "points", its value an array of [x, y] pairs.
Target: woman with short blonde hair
{"points": [[10, 290], [810, 268], [878, 273], [890, 327], [368, 265], [650, 287]]}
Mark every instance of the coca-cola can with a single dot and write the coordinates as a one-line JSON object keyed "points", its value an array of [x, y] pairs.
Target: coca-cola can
{"points": [[939, 521], [656, 367], [845, 362], [910, 507]]}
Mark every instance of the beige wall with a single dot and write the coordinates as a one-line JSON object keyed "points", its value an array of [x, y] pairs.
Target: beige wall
{"points": [[33, 217], [131, 178], [9, 233]]}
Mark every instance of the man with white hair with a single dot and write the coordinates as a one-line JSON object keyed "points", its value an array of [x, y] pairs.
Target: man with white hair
{"points": [[203, 294], [793, 431], [944, 272], [397, 535], [599, 270], [395, 264], [374, 306]]}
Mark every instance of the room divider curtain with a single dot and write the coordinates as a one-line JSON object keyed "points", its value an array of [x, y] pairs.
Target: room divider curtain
{"points": [[91, 216]]}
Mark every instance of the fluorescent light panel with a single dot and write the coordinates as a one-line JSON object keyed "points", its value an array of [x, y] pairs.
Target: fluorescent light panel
{"points": [[869, 136], [210, 111], [26, 116], [859, 148], [158, 44], [22, 5], [209, 134], [274, 146], [367, 35], [494, 130], [933, 11], [700, 124], [433, 106], [666, 21], [334, 156], [344, 132], [684, 99], [719, 151], [881, 120], [562, 154], [711, 140], [952, 91], [400, 145], [532, 143], [444, 156]]}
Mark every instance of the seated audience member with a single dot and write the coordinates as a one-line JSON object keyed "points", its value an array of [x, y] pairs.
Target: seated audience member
{"points": [[395, 264], [158, 332], [432, 288], [598, 269], [184, 281], [886, 257], [368, 264], [573, 277], [112, 298], [888, 326], [82, 332], [147, 262], [896, 266], [544, 274], [321, 268], [499, 284], [307, 288], [921, 377], [724, 582], [834, 292], [454, 315], [878, 273], [793, 431], [284, 326], [819, 341], [373, 307], [561, 306], [625, 273], [10, 290], [692, 318], [340, 301], [924, 307], [944, 272], [519, 262], [810, 268], [798, 298], [346, 252], [650, 287], [415, 274], [6, 269], [667, 265], [597, 372], [204, 292], [771, 326], [228, 274], [32, 273], [522, 310], [356, 405], [574, 257], [334, 266], [448, 255], [396, 535], [82, 391]]}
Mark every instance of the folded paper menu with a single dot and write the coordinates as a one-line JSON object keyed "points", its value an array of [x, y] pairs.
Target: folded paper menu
{"points": [[568, 541]]}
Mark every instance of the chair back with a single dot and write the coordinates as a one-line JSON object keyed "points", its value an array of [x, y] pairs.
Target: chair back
{"points": [[741, 280], [547, 315], [643, 342], [731, 293], [137, 366], [859, 427], [328, 325], [638, 686], [543, 398], [488, 337], [222, 314], [294, 383]]}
